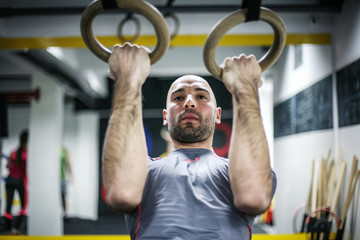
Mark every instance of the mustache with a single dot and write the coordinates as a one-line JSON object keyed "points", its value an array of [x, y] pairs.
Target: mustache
{"points": [[192, 111]]}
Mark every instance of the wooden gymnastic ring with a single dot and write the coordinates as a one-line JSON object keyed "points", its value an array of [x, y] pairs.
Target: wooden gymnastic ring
{"points": [[176, 24], [234, 19], [137, 28], [139, 6]]}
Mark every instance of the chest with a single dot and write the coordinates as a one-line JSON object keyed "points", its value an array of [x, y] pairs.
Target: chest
{"points": [[196, 171], [186, 179]]}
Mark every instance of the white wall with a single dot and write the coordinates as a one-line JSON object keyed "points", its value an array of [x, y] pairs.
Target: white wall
{"points": [[347, 49], [81, 136], [293, 155], [43, 166], [189, 60], [289, 81]]}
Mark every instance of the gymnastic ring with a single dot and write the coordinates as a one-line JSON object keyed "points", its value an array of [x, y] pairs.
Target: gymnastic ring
{"points": [[139, 6], [234, 19], [137, 28], [176, 24]]}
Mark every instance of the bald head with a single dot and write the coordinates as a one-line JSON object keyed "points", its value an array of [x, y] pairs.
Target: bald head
{"points": [[190, 81]]}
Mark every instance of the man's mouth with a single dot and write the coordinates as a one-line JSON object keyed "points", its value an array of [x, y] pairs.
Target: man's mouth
{"points": [[190, 117]]}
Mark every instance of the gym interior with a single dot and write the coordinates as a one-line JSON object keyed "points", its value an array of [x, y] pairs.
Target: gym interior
{"points": [[52, 84]]}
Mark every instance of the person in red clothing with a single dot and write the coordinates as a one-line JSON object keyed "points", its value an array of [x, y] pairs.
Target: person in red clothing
{"points": [[16, 181]]}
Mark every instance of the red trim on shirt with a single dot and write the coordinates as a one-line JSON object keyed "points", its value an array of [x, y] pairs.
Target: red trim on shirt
{"points": [[249, 229], [189, 160], [138, 221]]}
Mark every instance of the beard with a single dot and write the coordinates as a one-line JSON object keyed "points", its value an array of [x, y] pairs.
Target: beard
{"points": [[189, 133]]}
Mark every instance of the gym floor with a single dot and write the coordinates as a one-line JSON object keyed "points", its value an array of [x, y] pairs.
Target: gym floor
{"points": [[105, 225]]}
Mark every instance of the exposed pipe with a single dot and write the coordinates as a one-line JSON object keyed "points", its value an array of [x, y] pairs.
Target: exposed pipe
{"points": [[22, 96]]}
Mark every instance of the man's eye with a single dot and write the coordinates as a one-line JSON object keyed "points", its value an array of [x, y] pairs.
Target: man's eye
{"points": [[202, 97], [178, 98]]}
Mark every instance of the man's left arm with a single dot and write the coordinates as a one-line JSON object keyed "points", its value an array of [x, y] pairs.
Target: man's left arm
{"points": [[249, 161]]}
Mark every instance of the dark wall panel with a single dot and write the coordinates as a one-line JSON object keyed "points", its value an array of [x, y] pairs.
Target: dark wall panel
{"points": [[348, 91], [309, 110]]}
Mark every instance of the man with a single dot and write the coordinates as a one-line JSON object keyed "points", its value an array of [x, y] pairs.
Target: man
{"points": [[192, 193]]}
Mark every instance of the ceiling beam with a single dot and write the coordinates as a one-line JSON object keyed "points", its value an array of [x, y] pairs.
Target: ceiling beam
{"points": [[63, 74]]}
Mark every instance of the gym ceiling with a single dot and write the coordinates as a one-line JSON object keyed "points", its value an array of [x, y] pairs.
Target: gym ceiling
{"points": [[46, 34]]}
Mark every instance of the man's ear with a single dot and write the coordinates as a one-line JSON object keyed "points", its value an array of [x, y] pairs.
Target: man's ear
{"points": [[218, 115], [165, 121]]}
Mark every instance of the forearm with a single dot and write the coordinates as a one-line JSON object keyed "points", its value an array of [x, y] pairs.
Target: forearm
{"points": [[249, 164], [125, 153]]}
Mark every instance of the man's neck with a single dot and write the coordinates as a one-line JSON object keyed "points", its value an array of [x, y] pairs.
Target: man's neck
{"points": [[207, 144]]}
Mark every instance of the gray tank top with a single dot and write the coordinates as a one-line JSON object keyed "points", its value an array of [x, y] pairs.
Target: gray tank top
{"points": [[187, 195]]}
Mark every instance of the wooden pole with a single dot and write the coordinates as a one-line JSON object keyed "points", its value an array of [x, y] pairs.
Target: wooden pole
{"points": [[315, 186], [349, 197], [332, 180], [338, 186], [308, 204], [351, 188]]}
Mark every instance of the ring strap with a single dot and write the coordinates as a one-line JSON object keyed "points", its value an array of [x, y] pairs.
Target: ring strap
{"points": [[253, 10], [109, 4]]}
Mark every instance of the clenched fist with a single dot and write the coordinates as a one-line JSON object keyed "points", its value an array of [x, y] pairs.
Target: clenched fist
{"points": [[241, 75], [129, 63]]}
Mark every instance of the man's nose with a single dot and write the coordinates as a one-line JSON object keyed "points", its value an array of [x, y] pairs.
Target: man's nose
{"points": [[189, 102]]}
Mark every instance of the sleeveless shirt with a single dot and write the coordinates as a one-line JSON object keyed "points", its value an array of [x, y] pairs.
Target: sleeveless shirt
{"points": [[187, 195]]}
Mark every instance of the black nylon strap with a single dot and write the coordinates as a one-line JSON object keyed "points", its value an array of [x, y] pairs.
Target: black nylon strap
{"points": [[253, 9], [129, 15], [168, 5], [109, 4]]}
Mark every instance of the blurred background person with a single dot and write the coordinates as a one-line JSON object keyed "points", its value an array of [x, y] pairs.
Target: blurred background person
{"points": [[66, 176], [16, 181]]}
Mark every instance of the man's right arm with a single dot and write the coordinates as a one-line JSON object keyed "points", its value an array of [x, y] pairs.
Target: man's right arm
{"points": [[125, 152], [249, 161]]}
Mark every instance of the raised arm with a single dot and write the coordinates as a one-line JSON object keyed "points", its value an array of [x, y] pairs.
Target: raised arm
{"points": [[125, 152], [249, 163]]}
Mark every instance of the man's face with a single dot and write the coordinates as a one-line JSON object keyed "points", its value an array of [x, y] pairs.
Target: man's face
{"points": [[191, 110]]}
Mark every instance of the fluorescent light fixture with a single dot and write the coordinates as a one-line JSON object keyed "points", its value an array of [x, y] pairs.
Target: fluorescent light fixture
{"points": [[56, 52], [91, 77]]}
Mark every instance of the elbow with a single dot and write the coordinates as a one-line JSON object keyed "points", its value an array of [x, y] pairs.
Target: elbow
{"points": [[253, 204], [123, 201]]}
